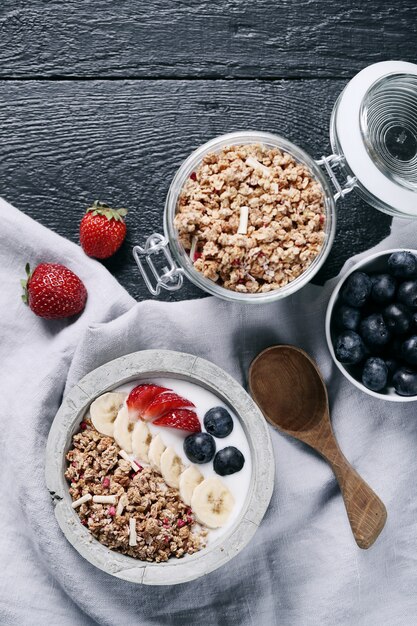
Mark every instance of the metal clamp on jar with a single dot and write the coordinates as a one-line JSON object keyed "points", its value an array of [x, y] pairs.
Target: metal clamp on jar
{"points": [[373, 134]]}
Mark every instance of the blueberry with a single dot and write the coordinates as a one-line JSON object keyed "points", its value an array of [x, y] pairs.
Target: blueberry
{"points": [[392, 366], [407, 293], [375, 374], [396, 348], [397, 318], [228, 461], [218, 422], [347, 317], [199, 447], [383, 288], [414, 321], [405, 382], [402, 264], [374, 331], [357, 289], [349, 348], [409, 350]]}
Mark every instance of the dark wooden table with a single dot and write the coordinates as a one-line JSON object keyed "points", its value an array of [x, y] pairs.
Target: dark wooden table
{"points": [[104, 99]]}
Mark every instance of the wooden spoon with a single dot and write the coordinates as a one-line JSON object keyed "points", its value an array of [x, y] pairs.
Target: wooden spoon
{"points": [[288, 387]]}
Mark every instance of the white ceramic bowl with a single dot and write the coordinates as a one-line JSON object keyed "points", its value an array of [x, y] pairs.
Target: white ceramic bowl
{"points": [[373, 263], [140, 366]]}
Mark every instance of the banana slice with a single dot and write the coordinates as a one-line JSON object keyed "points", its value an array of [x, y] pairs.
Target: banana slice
{"points": [[188, 481], [156, 449], [123, 428], [212, 502], [141, 439], [171, 467], [104, 411]]}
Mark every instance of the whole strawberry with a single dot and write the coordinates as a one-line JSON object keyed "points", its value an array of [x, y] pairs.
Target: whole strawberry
{"points": [[102, 230], [52, 291]]}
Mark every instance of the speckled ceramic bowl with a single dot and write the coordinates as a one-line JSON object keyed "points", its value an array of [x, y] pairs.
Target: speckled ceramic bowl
{"points": [[141, 366]]}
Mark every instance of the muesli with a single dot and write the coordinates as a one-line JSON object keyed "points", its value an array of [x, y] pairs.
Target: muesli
{"points": [[145, 475], [251, 217]]}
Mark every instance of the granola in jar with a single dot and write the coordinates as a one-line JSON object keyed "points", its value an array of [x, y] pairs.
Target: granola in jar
{"points": [[251, 217]]}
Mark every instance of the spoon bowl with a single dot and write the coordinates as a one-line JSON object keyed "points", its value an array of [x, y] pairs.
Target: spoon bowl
{"points": [[290, 391]]}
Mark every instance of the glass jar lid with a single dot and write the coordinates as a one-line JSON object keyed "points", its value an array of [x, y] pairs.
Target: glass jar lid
{"points": [[374, 127]]}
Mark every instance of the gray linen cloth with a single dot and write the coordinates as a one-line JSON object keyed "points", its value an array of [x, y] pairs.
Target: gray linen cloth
{"points": [[302, 567]]}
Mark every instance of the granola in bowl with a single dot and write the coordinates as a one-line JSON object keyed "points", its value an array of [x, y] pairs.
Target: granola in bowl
{"points": [[251, 218], [134, 513]]}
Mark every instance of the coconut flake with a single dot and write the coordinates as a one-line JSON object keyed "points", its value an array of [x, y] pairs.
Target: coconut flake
{"points": [[123, 502], [252, 162], [193, 248], [104, 499], [243, 220], [135, 466], [274, 187], [132, 532], [81, 500]]}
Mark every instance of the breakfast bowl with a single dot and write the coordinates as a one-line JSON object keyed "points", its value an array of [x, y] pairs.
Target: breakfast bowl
{"points": [[250, 216], [391, 352], [128, 541]]}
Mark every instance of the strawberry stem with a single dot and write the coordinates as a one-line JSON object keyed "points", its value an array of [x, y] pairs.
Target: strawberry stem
{"points": [[101, 208], [24, 282]]}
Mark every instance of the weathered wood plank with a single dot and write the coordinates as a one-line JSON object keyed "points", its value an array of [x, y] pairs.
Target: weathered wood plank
{"points": [[238, 38], [67, 143]]}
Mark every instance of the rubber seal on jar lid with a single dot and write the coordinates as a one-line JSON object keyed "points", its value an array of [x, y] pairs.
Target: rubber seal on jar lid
{"points": [[375, 127]]}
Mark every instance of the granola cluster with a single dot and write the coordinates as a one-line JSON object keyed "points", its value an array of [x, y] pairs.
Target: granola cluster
{"points": [[165, 526], [252, 218]]}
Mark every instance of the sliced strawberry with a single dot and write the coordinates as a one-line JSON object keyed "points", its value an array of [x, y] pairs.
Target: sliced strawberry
{"points": [[163, 403], [142, 395], [184, 419]]}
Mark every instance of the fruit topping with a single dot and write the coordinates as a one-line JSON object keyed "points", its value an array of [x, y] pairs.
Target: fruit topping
{"points": [[402, 264], [218, 422], [141, 396], [171, 467], [212, 502], [183, 419], [102, 230], [200, 447], [163, 403], [375, 374], [349, 348], [52, 291], [141, 439], [188, 481], [228, 461], [156, 449], [357, 289], [104, 411]]}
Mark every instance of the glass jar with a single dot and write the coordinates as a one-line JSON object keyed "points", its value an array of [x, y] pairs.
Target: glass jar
{"points": [[373, 133]]}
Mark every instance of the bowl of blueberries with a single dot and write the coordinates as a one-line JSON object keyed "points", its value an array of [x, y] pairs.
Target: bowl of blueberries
{"points": [[371, 325]]}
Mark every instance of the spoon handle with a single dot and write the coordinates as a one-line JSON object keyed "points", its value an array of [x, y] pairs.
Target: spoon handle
{"points": [[366, 513]]}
